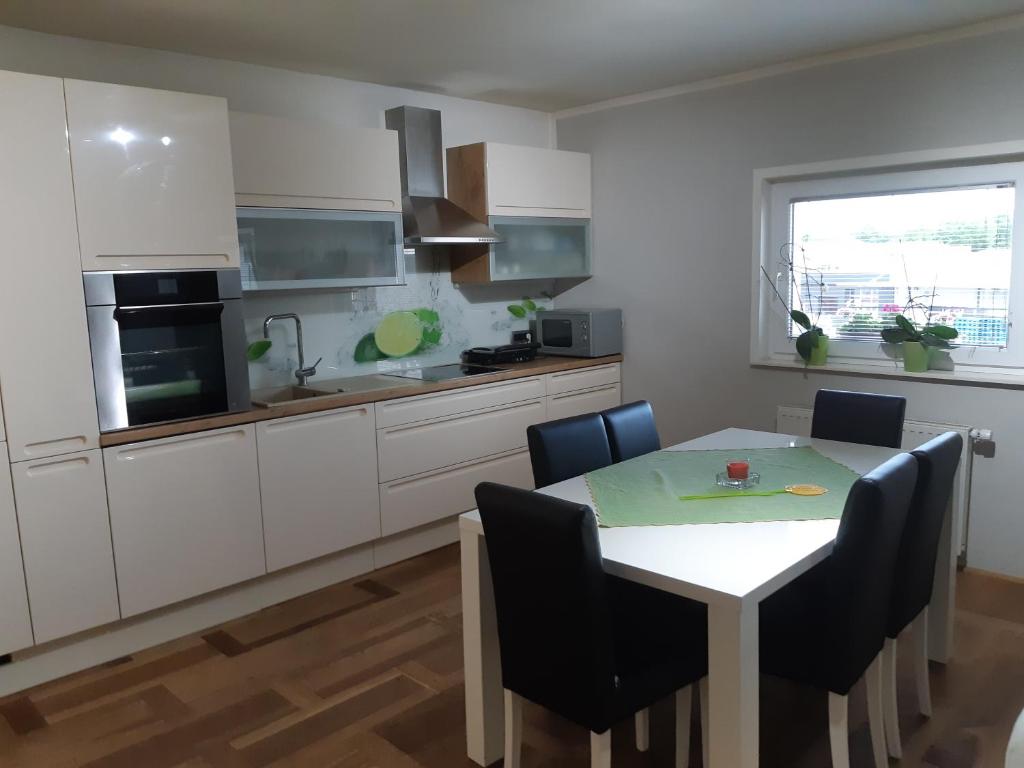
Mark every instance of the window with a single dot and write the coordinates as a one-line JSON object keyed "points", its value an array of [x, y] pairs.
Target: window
{"points": [[853, 250]]}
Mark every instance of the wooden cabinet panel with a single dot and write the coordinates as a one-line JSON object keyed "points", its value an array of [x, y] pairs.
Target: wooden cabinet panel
{"points": [[413, 409], [185, 516], [531, 181], [414, 448], [45, 367], [583, 401], [65, 538], [153, 180], [280, 162], [318, 480], [425, 498], [16, 626], [584, 378]]}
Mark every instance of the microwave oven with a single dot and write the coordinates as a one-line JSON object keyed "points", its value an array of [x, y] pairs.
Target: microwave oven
{"points": [[580, 332]]}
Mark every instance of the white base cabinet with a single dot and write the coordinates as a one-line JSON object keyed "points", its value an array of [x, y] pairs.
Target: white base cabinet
{"points": [[65, 539], [15, 624], [185, 516], [318, 477], [583, 401]]}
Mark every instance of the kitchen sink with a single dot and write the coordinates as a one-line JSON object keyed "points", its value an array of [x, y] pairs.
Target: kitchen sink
{"points": [[268, 398]]}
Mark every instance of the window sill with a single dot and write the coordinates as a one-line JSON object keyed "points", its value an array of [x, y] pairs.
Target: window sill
{"points": [[962, 376]]}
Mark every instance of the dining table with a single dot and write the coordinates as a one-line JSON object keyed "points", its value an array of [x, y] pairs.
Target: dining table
{"points": [[731, 567]]}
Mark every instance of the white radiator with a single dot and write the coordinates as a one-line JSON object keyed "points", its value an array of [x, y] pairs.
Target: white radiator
{"points": [[797, 421]]}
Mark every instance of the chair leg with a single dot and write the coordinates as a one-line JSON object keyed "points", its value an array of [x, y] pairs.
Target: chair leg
{"points": [[876, 718], [924, 690], [839, 729], [705, 717], [601, 749], [513, 729], [890, 703], [642, 725], [684, 704]]}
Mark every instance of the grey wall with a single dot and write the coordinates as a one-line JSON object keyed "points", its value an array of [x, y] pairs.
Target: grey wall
{"points": [[673, 183]]}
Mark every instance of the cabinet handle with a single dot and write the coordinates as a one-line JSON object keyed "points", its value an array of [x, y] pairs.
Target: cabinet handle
{"points": [[180, 444], [57, 465], [73, 443]]}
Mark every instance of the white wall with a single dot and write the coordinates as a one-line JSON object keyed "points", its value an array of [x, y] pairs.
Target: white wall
{"points": [[673, 186], [333, 321]]}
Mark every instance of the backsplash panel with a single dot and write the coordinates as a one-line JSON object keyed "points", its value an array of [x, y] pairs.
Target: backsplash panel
{"points": [[333, 322]]}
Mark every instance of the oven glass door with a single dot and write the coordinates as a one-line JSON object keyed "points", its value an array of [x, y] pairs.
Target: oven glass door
{"points": [[172, 361]]}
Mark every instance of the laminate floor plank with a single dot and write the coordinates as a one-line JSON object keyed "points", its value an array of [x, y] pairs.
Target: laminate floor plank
{"points": [[368, 674]]}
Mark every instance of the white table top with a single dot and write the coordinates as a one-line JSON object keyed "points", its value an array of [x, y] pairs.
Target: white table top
{"points": [[724, 562]]}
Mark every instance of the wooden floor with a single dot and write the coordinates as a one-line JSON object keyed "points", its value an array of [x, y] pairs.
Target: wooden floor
{"points": [[367, 674]]}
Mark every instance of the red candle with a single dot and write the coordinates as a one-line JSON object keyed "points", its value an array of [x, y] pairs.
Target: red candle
{"points": [[738, 470]]}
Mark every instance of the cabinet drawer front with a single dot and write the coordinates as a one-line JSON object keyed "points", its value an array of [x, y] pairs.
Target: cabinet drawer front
{"points": [[409, 410], [587, 401], [423, 499], [65, 538], [412, 449], [584, 378], [15, 626], [185, 516], [318, 482], [530, 181]]}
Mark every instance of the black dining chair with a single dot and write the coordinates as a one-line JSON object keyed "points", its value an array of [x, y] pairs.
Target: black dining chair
{"points": [[631, 430], [567, 447], [827, 627], [591, 647], [937, 462], [858, 417]]}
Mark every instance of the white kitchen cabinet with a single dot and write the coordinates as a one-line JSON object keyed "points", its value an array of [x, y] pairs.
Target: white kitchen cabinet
{"points": [[15, 626], [286, 163], [318, 480], [423, 446], [583, 401], [3, 434], [185, 516], [490, 179], [65, 540], [45, 365], [426, 498], [583, 378], [153, 178], [407, 410]]}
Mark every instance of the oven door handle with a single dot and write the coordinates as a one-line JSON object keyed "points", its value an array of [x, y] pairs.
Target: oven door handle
{"points": [[197, 312]]}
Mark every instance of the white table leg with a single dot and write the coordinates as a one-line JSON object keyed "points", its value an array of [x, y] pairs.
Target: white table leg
{"points": [[734, 685], [943, 604], [484, 694]]}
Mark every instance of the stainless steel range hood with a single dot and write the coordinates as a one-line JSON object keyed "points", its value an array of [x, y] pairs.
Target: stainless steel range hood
{"points": [[427, 216]]}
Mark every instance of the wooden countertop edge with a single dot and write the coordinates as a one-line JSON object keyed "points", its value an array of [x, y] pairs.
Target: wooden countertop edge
{"points": [[538, 367]]}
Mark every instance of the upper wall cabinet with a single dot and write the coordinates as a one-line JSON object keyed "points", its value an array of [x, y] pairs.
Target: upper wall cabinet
{"points": [[284, 163], [153, 181], [45, 365], [489, 179]]}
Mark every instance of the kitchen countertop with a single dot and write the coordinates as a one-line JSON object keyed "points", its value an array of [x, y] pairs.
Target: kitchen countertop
{"points": [[359, 390]]}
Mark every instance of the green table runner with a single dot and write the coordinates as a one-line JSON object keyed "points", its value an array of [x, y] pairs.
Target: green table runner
{"points": [[646, 490]]}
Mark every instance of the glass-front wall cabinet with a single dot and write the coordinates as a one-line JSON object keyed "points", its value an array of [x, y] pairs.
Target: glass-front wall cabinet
{"points": [[540, 248], [287, 248]]}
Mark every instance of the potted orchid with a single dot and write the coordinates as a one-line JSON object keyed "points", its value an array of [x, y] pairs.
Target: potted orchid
{"points": [[812, 343]]}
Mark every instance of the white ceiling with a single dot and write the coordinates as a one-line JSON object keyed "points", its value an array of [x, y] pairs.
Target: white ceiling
{"points": [[543, 54]]}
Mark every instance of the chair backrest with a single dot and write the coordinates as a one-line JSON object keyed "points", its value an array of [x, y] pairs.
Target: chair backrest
{"points": [[631, 430], [858, 417], [862, 567], [567, 447], [554, 623], [937, 462]]}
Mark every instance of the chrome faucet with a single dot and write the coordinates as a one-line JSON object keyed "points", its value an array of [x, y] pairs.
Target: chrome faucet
{"points": [[303, 374]]}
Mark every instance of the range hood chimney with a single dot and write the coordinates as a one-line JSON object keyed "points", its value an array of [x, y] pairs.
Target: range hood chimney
{"points": [[427, 216]]}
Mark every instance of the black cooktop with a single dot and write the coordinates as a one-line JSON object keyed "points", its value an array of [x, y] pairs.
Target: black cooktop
{"points": [[445, 372]]}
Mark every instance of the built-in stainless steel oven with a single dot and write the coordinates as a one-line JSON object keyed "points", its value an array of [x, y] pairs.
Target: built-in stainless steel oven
{"points": [[166, 345]]}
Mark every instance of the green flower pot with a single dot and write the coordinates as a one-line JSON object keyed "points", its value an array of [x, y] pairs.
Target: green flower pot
{"points": [[915, 357], [819, 354]]}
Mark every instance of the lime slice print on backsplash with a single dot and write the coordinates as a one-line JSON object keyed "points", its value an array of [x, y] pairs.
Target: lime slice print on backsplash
{"points": [[399, 334]]}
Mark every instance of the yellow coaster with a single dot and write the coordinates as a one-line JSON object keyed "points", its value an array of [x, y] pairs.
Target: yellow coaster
{"points": [[806, 489]]}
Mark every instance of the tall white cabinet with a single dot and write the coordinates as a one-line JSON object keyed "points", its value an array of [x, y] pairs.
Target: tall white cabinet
{"points": [[15, 624], [45, 366], [153, 178]]}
